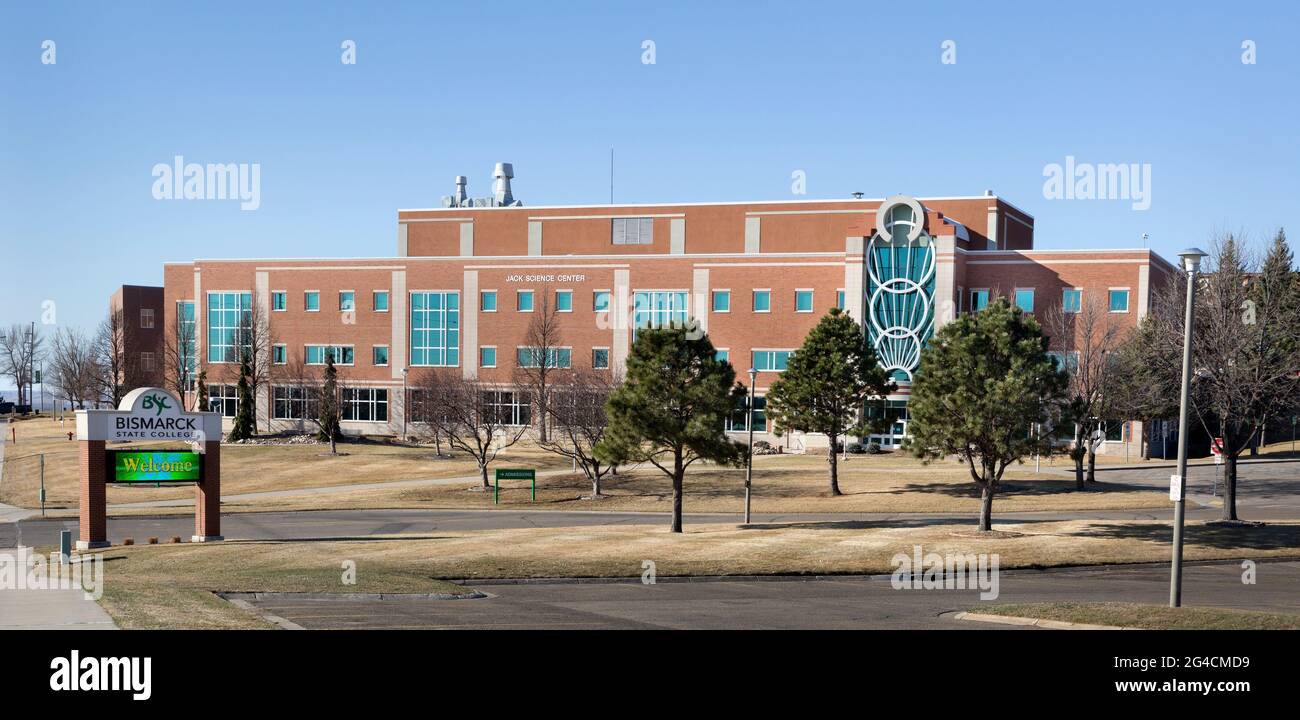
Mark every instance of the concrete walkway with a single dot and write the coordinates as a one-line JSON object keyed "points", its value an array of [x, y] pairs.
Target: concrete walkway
{"points": [[317, 491], [42, 609]]}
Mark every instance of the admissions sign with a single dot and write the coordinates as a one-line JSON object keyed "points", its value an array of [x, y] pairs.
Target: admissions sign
{"points": [[148, 415], [153, 466]]}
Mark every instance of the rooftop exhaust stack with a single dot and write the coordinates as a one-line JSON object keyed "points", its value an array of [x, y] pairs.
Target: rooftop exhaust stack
{"points": [[501, 193], [501, 175]]}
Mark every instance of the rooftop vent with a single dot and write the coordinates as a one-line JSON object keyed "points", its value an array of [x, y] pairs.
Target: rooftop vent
{"points": [[502, 195]]}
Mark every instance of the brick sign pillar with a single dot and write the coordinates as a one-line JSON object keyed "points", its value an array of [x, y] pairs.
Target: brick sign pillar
{"points": [[150, 415], [207, 496], [94, 520]]}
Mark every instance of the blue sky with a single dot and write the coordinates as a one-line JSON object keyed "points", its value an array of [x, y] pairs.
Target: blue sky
{"points": [[740, 96]]}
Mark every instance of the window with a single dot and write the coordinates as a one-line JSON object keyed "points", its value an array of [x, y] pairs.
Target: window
{"points": [[600, 301], [347, 301], [721, 301], [279, 354], [1119, 300], [279, 301], [600, 358], [633, 231], [186, 342], [721, 355], [380, 301], [487, 301], [379, 354], [658, 309], [509, 408], [739, 419], [1025, 299], [840, 297], [524, 300], [365, 404], [531, 357], [803, 301], [229, 319], [146, 361], [1071, 300], [762, 301], [146, 318], [435, 329], [292, 403], [563, 301], [979, 299], [223, 399], [487, 356], [1068, 361], [771, 360], [316, 354], [311, 301]]}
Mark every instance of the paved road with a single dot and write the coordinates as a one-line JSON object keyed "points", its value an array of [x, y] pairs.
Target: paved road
{"points": [[830, 603]]}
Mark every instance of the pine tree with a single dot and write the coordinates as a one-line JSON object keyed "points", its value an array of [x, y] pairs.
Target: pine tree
{"points": [[243, 427], [826, 384], [203, 391], [329, 413], [983, 381], [671, 409]]}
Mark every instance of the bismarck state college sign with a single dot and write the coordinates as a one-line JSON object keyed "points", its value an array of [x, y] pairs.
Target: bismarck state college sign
{"points": [[148, 415]]}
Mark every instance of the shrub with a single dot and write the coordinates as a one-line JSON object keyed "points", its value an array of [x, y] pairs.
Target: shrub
{"points": [[873, 448]]}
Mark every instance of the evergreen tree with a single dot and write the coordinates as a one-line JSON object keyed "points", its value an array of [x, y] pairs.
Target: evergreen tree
{"points": [[671, 409], [826, 384], [243, 427], [203, 391], [983, 381], [329, 413]]}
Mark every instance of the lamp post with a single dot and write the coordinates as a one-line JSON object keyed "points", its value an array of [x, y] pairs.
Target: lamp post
{"points": [[749, 420], [406, 402], [1191, 263]]}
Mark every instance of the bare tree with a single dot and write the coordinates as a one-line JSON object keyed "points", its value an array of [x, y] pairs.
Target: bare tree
{"points": [[472, 415], [119, 373], [540, 360], [577, 409], [1245, 346], [180, 358], [255, 337], [1085, 342], [21, 348], [73, 367]]}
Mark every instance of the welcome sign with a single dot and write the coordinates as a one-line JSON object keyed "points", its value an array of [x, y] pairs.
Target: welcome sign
{"points": [[153, 466], [148, 415]]}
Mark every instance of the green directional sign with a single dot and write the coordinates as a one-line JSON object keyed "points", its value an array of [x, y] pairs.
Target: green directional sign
{"points": [[512, 474]]}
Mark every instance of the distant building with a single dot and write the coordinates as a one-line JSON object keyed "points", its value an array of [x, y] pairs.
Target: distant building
{"points": [[140, 325]]}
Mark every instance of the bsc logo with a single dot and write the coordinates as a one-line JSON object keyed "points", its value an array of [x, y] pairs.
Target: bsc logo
{"points": [[156, 401]]}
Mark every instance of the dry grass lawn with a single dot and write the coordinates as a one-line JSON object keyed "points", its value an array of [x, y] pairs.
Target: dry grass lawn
{"points": [[244, 468], [170, 585], [1148, 617]]}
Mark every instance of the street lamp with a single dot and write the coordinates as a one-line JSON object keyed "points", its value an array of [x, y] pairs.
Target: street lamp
{"points": [[406, 402], [749, 420], [1178, 486]]}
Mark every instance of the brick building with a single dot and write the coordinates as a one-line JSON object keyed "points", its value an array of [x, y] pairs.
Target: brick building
{"points": [[467, 278]]}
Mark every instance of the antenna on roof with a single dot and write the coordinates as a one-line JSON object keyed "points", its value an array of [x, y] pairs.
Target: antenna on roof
{"points": [[611, 176]]}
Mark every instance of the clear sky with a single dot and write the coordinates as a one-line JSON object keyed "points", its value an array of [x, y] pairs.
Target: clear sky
{"points": [[741, 95]]}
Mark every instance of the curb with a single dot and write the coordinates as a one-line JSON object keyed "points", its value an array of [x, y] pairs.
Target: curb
{"points": [[1033, 622]]}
